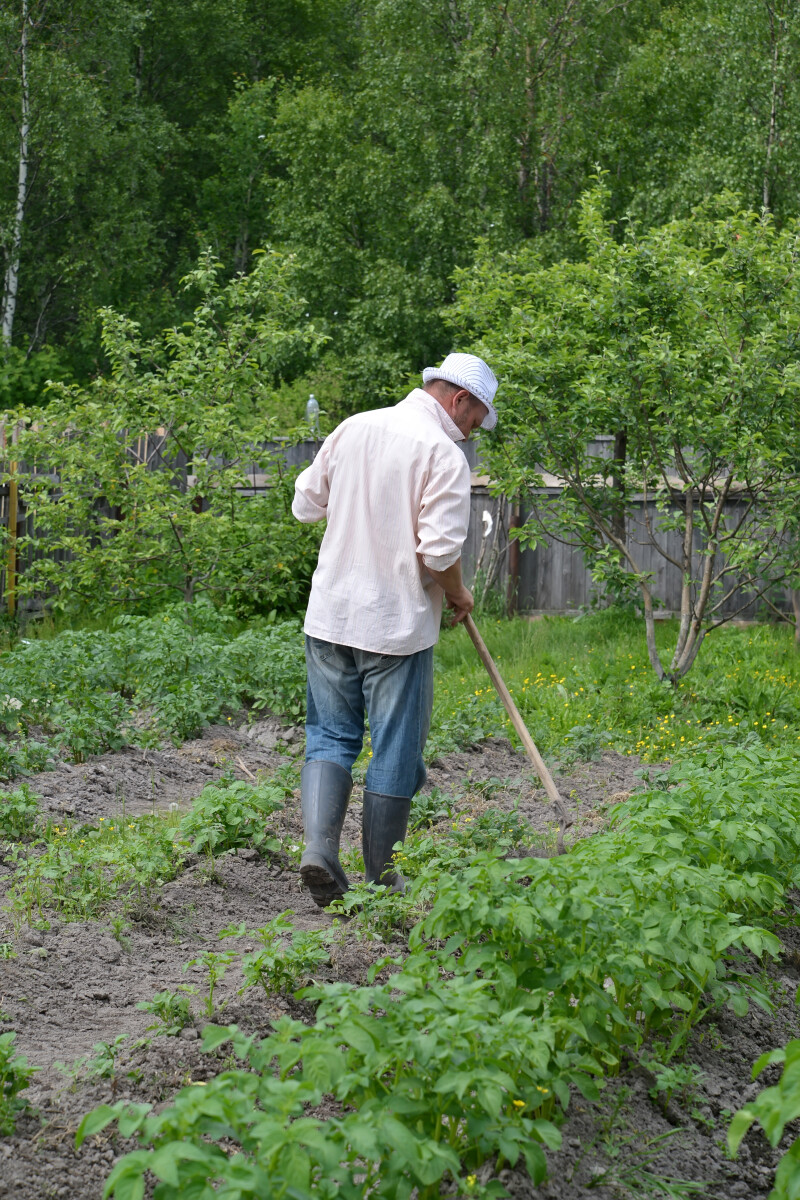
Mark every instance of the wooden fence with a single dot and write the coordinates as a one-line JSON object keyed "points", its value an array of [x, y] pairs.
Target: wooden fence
{"points": [[553, 578]]}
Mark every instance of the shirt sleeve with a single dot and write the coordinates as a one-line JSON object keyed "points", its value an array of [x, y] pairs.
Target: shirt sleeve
{"points": [[312, 489], [444, 512]]}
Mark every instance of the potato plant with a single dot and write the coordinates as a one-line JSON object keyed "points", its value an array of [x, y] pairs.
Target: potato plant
{"points": [[774, 1108], [526, 979], [287, 957], [232, 814], [15, 1075], [87, 690], [81, 871]]}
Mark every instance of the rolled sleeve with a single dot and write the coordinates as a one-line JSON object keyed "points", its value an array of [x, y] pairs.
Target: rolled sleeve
{"points": [[444, 513], [312, 489]]}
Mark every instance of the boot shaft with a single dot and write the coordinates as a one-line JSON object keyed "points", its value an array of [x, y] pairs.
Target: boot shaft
{"points": [[384, 822]]}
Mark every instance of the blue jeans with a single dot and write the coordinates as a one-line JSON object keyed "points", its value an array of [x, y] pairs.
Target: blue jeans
{"points": [[395, 690]]}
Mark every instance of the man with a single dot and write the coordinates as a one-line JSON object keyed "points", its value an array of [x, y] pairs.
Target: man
{"points": [[395, 489]]}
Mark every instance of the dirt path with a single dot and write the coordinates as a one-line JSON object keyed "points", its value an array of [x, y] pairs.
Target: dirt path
{"points": [[75, 985]]}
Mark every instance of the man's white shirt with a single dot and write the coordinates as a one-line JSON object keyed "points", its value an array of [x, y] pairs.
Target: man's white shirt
{"points": [[395, 489]]}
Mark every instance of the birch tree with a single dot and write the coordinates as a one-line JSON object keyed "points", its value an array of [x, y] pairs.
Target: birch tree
{"points": [[11, 279]]}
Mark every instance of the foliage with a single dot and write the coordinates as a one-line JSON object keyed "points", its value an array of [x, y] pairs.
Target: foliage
{"points": [[23, 378], [137, 485], [15, 1075], [80, 871], [127, 105], [216, 967], [212, 127], [674, 1079], [525, 978], [585, 684], [774, 1108], [288, 956], [680, 343], [429, 808], [231, 814], [580, 685], [708, 99], [143, 680], [172, 1012], [18, 813]]}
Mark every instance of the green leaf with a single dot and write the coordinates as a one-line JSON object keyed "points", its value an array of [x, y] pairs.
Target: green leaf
{"points": [[94, 1121], [738, 1127]]}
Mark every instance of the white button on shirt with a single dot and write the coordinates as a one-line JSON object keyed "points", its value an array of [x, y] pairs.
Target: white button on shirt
{"points": [[396, 493]]}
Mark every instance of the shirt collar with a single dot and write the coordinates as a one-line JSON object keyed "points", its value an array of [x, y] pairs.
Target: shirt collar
{"points": [[432, 406]]}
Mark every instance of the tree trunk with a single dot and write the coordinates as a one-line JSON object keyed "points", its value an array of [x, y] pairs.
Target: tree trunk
{"points": [[777, 30], [524, 168], [11, 281], [618, 483]]}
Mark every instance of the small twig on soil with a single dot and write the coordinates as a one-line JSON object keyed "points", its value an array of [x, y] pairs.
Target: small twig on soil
{"points": [[242, 767]]}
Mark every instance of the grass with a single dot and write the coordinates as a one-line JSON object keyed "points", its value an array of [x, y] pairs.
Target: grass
{"points": [[584, 684]]}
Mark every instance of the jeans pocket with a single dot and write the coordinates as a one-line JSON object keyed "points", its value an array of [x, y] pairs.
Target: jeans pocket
{"points": [[320, 650]]}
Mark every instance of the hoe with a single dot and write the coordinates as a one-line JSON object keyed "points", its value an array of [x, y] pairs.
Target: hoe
{"points": [[550, 788]]}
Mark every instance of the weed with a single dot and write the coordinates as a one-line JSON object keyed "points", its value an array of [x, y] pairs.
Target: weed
{"points": [[7, 950], [629, 1156], [120, 928], [630, 1169], [216, 966]]}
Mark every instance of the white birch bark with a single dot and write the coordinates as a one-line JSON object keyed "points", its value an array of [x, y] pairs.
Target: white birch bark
{"points": [[11, 281]]}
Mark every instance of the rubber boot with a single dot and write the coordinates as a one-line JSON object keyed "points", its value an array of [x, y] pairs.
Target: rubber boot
{"points": [[384, 822], [325, 789]]}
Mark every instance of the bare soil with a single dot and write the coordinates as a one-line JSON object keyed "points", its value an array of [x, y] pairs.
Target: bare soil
{"points": [[74, 985]]}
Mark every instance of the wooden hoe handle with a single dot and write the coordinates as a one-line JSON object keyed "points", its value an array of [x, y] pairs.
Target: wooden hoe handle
{"points": [[518, 723]]}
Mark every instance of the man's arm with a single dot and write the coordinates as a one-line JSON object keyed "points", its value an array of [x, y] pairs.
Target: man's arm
{"points": [[442, 529], [458, 597], [312, 489]]}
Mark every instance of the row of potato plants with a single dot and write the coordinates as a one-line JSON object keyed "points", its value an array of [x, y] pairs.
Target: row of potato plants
{"points": [[145, 680], [78, 871], [525, 980]]}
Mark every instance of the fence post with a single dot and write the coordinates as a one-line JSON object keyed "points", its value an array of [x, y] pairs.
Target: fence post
{"points": [[13, 511]]}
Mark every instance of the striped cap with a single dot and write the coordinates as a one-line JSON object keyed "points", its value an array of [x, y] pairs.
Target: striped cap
{"points": [[472, 373]]}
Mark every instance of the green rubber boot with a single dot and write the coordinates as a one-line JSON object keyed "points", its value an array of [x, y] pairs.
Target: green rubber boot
{"points": [[325, 789], [384, 822]]}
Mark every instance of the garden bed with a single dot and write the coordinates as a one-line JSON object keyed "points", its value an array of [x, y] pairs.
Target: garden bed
{"points": [[75, 985]]}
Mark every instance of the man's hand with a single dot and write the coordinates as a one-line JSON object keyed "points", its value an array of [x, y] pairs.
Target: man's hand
{"points": [[461, 602], [458, 597]]}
